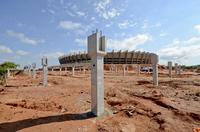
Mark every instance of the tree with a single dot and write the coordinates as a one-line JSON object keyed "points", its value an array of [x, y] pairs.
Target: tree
{"points": [[6, 65]]}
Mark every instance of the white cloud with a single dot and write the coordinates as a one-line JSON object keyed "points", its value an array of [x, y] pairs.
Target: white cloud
{"points": [[23, 38], [104, 10], [69, 25], [197, 27], [181, 50], [146, 25], [126, 24], [4, 49], [53, 55], [193, 40], [81, 42], [80, 13], [22, 53], [163, 34], [92, 18], [51, 11], [70, 13], [129, 43]]}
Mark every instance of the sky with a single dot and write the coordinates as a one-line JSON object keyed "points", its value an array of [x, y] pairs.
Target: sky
{"points": [[31, 29]]}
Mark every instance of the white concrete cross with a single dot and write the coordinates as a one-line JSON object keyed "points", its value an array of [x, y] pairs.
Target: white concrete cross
{"points": [[96, 50], [33, 70], [45, 70], [176, 68], [170, 68], [155, 60]]}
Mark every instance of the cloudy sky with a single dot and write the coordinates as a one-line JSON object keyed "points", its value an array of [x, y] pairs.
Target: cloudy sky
{"points": [[30, 29]]}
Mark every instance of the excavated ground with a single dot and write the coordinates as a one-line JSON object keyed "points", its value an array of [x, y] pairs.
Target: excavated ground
{"points": [[132, 104]]}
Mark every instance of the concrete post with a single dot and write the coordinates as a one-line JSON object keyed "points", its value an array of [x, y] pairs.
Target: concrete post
{"points": [[33, 70], [29, 70], [154, 59], [45, 71], [138, 68], [96, 50], [110, 68], [73, 67], [84, 70], [176, 68], [170, 68], [8, 73], [124, 70], [60, 71], [179, 69]]}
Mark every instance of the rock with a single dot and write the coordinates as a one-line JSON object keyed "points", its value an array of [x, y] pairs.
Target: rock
{"points": [[140, 111], [129, 127], [88, 101], [63, 110], [1, 89], [129, 113], [198, 94], [114, 101], [115, 112], [196, 99]]}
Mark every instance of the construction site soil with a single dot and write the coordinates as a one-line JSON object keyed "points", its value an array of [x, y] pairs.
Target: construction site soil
{"points": [[132, 103]]}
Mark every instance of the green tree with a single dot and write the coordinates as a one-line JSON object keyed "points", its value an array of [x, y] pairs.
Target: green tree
{"points": [[6, 65]]}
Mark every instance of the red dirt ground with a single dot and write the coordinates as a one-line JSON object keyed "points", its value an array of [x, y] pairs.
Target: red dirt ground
{"points": [[133, 104]]}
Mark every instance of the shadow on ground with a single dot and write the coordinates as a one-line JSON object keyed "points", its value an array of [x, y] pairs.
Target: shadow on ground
{"points": [[21, 124]]}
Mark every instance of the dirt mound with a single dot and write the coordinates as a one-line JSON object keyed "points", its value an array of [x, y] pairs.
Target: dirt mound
{"points": [[142, 82], [119, 124], [41, 106], [56, 81]]}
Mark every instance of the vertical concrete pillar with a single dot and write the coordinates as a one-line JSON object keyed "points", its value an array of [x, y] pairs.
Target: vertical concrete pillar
{"points": [[45, 71], [124, 70], [73, 67], [179, 69], [138, 69], [154, 60], [170, 68], [29, 70], [8, 73], [60, 71], [83, 70], [110, 68], [33, 70], [96, 50], [176, 68]]}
